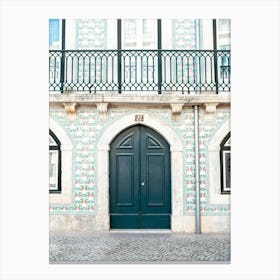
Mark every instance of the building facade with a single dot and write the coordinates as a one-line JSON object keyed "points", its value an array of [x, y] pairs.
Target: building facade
{"points": [[139, 124]]}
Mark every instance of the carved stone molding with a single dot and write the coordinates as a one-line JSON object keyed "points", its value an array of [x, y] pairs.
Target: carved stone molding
{"points": [[102, 109], [70, 109], [144, 98], [176, 109]]}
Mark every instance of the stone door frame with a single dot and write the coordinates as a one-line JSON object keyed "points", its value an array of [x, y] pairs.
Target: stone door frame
{"points": [[176, 153]]}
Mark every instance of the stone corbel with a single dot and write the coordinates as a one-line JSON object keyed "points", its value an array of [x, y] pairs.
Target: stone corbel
{"points": [[70, 109], [102, 109], [210, 110], [176, 109]]}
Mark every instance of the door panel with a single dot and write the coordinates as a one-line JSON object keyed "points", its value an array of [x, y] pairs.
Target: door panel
{"points": [[125, 180], [155, 173], [155, 180], [153, 221], [140, 180], [152, 143]]}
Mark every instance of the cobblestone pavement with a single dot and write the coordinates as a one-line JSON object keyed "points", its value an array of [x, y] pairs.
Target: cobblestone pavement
{"points": [[138, 247]]}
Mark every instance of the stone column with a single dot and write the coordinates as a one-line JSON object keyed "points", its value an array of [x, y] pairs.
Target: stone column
{"points": [[177, 218]]}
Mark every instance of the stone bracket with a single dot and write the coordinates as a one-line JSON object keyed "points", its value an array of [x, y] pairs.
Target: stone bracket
{"points": [[102, 109], [176, 109], [210, 110], [70, 109]]}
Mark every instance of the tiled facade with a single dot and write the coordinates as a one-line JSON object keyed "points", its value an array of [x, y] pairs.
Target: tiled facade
{"points": [[91, 34], [85, 130]]}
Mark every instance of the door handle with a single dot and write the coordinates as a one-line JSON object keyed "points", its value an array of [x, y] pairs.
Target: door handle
{"points": [[142, 184]]}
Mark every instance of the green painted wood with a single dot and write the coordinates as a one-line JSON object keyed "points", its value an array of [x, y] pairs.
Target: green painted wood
{"points": [[155, 174], [124, 180], [140, 188]]}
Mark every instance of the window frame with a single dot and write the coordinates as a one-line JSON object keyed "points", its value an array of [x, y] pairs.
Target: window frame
{"points": [[56, 148], [61, 34], [224, 149], [218, 32], [139, 43]]}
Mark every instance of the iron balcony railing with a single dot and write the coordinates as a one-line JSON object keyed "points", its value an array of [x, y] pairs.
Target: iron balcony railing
{"points": [[139, 70]]}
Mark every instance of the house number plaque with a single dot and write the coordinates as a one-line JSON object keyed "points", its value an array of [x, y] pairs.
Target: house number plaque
{"points": [[139, 118]]}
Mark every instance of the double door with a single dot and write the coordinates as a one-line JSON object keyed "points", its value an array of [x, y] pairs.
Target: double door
{"points": [[140, 192]]}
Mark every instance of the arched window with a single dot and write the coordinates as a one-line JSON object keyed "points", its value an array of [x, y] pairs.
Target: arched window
{"points": [[54, 163], [225, 164]]}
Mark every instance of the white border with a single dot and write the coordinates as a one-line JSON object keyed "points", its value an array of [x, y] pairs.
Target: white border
{"points": [[255, 115]]}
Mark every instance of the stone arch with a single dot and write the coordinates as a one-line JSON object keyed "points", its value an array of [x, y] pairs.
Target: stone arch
{"points": [[176, 150], [214, 166], [66, 164], [64, 139], [216, 140]]}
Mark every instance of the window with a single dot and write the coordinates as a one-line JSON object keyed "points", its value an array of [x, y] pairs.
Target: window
{"points": [[223, 41], [54, 34], [223, 34], [149, 33], [54, 164], [225, 164], [139, 34], [129, 32]]}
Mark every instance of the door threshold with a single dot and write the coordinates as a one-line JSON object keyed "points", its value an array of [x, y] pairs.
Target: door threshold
{"points": [[141, 230]]}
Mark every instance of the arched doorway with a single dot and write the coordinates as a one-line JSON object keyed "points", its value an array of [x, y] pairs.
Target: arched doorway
{"points": [[140, 182]]}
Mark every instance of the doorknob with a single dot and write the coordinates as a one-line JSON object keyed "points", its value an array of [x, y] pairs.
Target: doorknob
{"points": [[142, 184]]}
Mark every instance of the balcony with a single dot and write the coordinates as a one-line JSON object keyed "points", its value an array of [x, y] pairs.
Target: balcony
{"points": [[153, 71]]}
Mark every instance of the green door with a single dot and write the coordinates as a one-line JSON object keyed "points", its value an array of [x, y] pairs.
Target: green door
{"points": [[140, 192]]}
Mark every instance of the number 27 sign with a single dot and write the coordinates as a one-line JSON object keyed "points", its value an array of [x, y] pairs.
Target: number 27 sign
{"points": [[139, 118]]}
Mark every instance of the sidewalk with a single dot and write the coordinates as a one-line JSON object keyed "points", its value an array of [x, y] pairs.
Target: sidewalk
{"points": [[134, 247]]}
